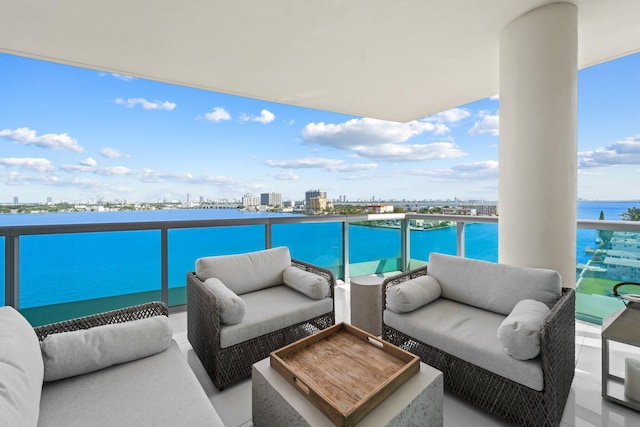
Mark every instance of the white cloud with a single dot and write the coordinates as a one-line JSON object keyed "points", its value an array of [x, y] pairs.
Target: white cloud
{"points": [[485, 170], [89, 161], [332, 165], [489, 124], [26, 136], [118, 76], [495, 97], [265, 117], [382, 140], [217, 115], [147, 105], [450, 116], [37, 164], [112, 153], [285, 176], [626, 152]]}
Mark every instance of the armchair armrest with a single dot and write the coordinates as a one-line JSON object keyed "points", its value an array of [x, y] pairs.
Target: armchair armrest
{"points": [[557, 348], [122, 315], [203, 322]]}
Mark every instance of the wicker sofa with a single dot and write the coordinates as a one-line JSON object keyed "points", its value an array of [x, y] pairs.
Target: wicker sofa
{"points": [[473, 322], [120, 368], [273, 291]]}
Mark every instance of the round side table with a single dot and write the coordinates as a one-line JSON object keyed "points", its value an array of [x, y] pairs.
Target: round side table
{"points": [[366, 303]]}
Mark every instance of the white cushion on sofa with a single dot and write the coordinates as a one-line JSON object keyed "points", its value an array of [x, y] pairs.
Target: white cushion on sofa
{"points": [[468, 333], [232, 307], [67, 354], [492, 286], [159, 390], [269, 310], [412, 294], [311, 284], [21, 370], [246, 272], [519, 333]]}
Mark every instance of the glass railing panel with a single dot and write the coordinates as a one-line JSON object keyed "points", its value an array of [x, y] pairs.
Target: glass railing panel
{"points": [[2, 288], [374, 247], [318, 243], [186, 245], [594, 279], [481, 241], [63, 276], [431, 236]]}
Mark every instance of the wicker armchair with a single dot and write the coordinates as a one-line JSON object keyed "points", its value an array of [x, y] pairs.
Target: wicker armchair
{"points": [[517, 404], [228, 365]]}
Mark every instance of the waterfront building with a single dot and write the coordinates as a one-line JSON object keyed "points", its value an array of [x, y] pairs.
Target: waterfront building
{"points": [[271, 199], [380, 208], [250, 200], [622, 261], [459, 211], [317, 204], [314, 193], [481, 209]]}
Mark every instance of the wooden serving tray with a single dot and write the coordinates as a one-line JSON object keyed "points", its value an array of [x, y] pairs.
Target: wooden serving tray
{"points": [[344, 371]]}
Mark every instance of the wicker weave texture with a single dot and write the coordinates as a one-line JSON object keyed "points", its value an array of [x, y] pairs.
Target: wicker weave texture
{"points": [[228, 365], [122, 315], [515, 403]]}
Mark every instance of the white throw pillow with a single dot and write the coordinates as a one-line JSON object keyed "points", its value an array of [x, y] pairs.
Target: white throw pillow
{"points": [[21, 370], [232, 307], [413, 294], [311, 284], [68, 354], [519, 332]]}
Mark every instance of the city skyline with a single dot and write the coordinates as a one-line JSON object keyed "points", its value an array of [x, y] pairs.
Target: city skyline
{"points": [[74, 134]]}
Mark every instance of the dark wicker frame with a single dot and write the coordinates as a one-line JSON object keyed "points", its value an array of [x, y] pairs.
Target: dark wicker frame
{"points": [[517, 404], [122, 315], [228, 365]]}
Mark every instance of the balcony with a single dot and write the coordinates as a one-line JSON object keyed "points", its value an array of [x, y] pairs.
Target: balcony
{"points": [[54, 272]]}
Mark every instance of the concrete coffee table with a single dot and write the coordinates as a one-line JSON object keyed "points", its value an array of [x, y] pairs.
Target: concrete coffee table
{"points": [[276, 403]]}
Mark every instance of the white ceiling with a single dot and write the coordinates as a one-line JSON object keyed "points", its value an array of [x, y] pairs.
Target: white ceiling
{"points": [[388, 59]]}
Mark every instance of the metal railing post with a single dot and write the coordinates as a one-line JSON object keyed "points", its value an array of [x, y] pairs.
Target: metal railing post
{"points": [[12, 271], [345, 250], [164, 264], [460, 236], [405, 240], [267, 235]]}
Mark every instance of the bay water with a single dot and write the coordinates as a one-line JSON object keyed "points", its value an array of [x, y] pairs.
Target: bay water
{"points": [[61, 268]]}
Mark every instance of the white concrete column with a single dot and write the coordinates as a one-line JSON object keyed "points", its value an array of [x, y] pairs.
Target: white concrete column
{"points": [[538, 145]]}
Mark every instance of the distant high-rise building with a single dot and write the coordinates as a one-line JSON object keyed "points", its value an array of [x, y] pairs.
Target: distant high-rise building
{"points": [[314, 193], [271, 199], [250, 200], [15, 200], [48, 200]]}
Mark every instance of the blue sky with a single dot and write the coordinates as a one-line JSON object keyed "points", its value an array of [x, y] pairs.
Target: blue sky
{"points": [[77, 135]]}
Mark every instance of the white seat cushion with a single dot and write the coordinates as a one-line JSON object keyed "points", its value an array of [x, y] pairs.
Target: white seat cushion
{"points": [[159, 390], [469, 333], [271, 309]]}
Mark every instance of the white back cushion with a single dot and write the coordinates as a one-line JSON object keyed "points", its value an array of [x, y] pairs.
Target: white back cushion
{"points": [[68, 354], [246, 272], [21, 370], [491, 286]]}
